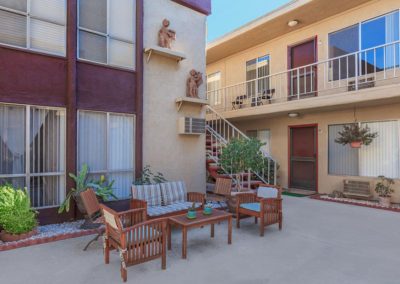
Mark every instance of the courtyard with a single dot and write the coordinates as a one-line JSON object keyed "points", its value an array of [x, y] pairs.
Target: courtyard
{"points": [[321, 242]]}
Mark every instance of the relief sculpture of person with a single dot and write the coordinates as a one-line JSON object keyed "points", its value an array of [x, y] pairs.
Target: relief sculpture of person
{"points": [[193, 83], [166, 35]]}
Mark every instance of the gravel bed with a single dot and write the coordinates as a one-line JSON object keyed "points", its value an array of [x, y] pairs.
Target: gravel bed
{"points": [[361, 202]]}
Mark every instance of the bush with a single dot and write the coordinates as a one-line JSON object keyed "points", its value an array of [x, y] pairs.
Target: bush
{"points": [[16, 214]]}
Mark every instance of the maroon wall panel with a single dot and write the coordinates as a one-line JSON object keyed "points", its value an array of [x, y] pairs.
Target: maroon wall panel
{"points": [[202, 6], [105, 89], [30, 78]]}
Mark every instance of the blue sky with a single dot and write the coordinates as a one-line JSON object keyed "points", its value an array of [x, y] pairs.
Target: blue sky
{"points": [[228, 15]]}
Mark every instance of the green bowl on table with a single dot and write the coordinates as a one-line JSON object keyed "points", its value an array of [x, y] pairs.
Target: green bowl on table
{"points": [[191, 214], [207, 210]]}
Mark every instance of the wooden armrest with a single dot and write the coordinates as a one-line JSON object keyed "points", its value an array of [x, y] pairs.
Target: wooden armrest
{"points": [[196, 197], [161, 221], [132, 216], [138, 203]]}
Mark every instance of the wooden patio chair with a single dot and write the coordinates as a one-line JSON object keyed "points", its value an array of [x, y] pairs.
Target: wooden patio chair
{"points": [[93, 218], [266, 206], [223, 190], [136, 239]]}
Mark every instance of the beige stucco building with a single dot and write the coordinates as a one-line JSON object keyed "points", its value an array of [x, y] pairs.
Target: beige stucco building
{"points": [[295, 76]]}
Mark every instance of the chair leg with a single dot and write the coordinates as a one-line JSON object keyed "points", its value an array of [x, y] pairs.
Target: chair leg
{"points": [[237, 220], [106, 251], [280, 223], [255, 220], [124, 274], [261, 226], [91, 241]]}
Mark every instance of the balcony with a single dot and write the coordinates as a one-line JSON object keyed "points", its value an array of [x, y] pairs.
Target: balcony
{"points": [[365, 76]]}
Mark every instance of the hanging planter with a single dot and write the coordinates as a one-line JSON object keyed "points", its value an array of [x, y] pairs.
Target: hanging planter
{"points": [[355, 135]]}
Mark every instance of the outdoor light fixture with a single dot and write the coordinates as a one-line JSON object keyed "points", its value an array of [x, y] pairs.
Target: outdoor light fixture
{"points": [[293, 23], [293, 114]]}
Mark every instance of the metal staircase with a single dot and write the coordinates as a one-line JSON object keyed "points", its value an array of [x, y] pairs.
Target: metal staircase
{"points": [[219, 132]]}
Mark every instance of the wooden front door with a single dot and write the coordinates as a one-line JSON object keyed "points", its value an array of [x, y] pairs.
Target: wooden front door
{"points": [[302, 78], [303, 157]]}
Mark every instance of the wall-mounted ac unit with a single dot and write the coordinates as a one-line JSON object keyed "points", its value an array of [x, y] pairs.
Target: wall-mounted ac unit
{"points": [[191, 125]]}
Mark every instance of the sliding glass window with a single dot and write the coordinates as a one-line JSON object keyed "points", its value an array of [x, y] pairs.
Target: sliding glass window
{"points": [[106, 145], [32, 152]]}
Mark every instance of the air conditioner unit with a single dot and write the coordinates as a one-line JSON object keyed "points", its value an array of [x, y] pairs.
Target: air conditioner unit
{"points": [[191, 126]]}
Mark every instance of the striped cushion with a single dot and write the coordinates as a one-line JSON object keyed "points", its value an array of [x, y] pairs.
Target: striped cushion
{"points": [[161, 210], [151, 193], [217, 204], [173, 192]]}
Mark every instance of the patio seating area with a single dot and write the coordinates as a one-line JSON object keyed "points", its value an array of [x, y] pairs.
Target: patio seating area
{"points": [[335, 245]]}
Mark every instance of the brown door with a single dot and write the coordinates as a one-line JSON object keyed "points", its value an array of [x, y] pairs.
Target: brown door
{"points": [[303, 78], [303, 157]]}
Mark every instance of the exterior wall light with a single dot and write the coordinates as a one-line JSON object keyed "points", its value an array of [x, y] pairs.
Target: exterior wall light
{"points": [[293, 23], [293, 114]]}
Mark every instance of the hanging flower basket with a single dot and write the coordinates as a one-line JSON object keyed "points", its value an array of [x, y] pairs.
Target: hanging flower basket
{"points": [[355, 135]]}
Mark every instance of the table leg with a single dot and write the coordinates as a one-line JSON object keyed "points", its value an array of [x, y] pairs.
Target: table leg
{"points": [[169, 228], [212, 230], [184, 242], [230, 230]]}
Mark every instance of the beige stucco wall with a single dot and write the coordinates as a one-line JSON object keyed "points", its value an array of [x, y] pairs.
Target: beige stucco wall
{"points": [[279, 127], [178, 157], [232, 68]]}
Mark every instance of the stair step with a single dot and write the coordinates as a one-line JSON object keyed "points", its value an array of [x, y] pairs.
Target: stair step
{"points": [[214, 168]]}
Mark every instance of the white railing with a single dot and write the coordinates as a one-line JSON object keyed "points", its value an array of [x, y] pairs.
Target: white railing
{"points": [[359, 70], [222, 131]]}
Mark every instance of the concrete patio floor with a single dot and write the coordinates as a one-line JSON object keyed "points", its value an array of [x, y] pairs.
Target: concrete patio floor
{"points": [[321, 242]]}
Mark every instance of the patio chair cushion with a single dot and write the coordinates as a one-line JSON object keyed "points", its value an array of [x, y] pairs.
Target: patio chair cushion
{"points": [[151, 193], [251, 206], [173, 192], [217, 204], [267, 192], [162, 210]]}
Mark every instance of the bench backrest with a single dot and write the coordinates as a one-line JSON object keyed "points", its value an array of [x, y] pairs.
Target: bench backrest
{"points": [[151, 193], [161, 194], [173, 192]]}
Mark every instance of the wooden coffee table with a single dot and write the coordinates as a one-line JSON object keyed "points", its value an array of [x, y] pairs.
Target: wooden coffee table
{"points": [[201, 220]]}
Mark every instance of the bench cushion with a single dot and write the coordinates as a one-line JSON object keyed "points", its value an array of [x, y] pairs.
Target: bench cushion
{"points": [[217, 204], [173, 192], [251, 206], [151, 193], [162, 210]]}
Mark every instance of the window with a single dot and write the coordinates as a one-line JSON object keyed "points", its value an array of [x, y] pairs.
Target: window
{"points": [[381, 157], [368, 36], [107, 32], [264, 136], [32, 152], [256, 72], [38, 25], [106, 144], [213, 88]]}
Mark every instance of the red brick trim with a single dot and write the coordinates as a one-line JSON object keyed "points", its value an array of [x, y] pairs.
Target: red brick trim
{"points": [[31, 242], [318, 197]]}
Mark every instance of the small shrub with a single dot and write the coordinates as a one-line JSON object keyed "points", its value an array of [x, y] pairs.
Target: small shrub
{"points": [[16, 214], [148, 177], [384, 186]]}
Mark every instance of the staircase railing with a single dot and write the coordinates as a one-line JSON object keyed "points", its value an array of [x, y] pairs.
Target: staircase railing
{"points": [[222, 131]]}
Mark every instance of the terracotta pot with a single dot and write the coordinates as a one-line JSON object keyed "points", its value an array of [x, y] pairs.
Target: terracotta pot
{"points": [[356, 144], [384, 201], [7, 237]]}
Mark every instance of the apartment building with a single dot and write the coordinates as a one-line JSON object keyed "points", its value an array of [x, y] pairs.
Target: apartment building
{"points": [[76, 87], [294, 77]]}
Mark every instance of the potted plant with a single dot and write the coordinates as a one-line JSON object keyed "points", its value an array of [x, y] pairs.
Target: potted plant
{"points": [[384, 190], [102, 188], [148, 177], [207, 209], [191, 214], [17, 218], [355, 135]]}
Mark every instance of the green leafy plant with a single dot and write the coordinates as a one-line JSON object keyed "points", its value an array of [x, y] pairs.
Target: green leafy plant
{"points": [[192, 207], [102, 188], [16, 213], [242, 155], [384, 186], [148, 177], [355, 133]]}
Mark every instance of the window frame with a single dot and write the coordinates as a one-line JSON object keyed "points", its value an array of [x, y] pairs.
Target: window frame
{"points": [[257, 78], [106, 172], [361, 122], [28, 174], [108, 37], [216, 92], [28, 30]]}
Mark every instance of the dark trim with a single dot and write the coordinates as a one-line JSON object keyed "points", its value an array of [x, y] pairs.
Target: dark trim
{"points": [[202, 6], [139, 88], [72, 127]]}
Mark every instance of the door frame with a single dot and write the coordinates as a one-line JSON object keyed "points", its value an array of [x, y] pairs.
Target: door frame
{"points": [[315, 125], [289, 60]]}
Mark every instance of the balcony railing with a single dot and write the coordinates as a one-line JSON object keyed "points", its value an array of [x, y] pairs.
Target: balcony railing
{"points": [[368, 68]]}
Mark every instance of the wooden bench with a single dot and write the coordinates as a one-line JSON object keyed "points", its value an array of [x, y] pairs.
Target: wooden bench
{"points": [[357, 189]]}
